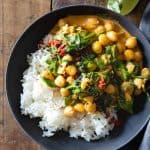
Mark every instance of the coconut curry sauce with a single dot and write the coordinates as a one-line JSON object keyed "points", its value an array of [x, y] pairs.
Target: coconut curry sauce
{"points": [[98, 26], [96, 64]]}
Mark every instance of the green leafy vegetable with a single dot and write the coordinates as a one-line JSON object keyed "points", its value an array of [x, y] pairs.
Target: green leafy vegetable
{"points": [[75, 87], [100, 63], [78, 41], [87, 64], [52, 49], [112, 50], [49, 82], [53, 65], [121, 70], [126, 105]]}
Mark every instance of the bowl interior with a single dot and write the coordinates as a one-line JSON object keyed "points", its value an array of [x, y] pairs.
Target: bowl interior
{"points": [[17, 64]]}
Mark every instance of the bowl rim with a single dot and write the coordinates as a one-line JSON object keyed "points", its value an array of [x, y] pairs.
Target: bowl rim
{"points": [[8, 97]]}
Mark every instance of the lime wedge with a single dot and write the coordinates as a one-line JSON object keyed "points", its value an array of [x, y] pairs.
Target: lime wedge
{"points": [[123, 7], [127, 6]]}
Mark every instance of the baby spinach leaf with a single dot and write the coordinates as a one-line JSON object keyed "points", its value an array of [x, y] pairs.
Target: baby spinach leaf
{"points": [[78, 41], [122, 70], [48, 82], [112, 50], [126, 105], [53, 65]]}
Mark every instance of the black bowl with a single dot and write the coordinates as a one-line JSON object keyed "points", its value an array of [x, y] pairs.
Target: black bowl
{"points": [[27, 43]]}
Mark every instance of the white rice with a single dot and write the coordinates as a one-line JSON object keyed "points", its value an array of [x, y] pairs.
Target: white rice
{"points": [[38, 100]]}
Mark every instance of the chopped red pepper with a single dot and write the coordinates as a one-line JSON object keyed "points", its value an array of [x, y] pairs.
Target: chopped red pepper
{"points": [[61, 49], [62, 52], [56, 43], [101, 83]]}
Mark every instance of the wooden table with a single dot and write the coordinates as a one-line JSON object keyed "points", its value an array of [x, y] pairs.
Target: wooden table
{"points": [[15, 15]]}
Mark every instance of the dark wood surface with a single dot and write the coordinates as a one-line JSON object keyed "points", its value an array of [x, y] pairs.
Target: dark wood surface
{"points": [[15, 15]]}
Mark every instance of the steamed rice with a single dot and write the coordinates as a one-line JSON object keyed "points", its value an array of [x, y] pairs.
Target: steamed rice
{"points": [[39, 100]]}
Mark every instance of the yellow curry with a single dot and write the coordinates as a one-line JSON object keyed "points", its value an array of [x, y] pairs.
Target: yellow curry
{"points": [[96, 64]]}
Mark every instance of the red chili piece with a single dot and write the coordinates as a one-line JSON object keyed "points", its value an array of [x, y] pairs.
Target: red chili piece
{"points": [[56, 43], [101, 84], [61, 49]]}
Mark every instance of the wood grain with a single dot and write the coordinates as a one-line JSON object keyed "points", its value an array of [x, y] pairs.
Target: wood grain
{"points": [[62, 3], [15, 15]]}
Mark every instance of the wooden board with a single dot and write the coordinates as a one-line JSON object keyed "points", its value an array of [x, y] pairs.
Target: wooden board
{"points": [[15, 15]]}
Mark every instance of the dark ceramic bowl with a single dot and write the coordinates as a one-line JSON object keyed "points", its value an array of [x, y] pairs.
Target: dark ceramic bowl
{"points": [[27, 44]]}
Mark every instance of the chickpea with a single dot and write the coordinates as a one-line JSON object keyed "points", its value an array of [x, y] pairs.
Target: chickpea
{"points": [[93, 20], [88, 99], [97, 47], [61, 22], [139, 83], [60, 81], [138, 56], [70, 79], [112, 36], [79, 107], [120, 47], [103, 39], [91, 23], [47, 74], [129, 54], [69, 111], [67, 57], [64, 92], [100, 29], [84, 83], [131, 42], [71, 70], [145, 72], [109, 26], [90, 107], [110, 89]]}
